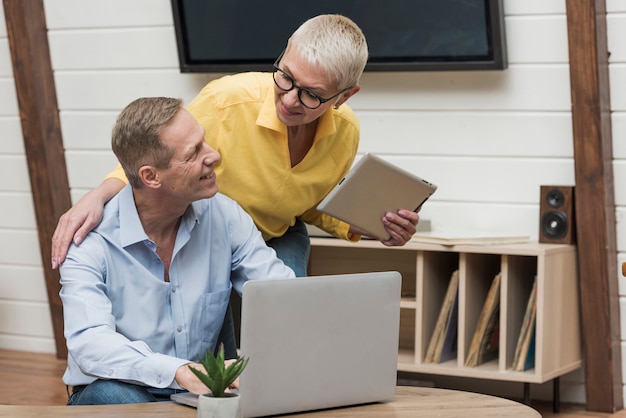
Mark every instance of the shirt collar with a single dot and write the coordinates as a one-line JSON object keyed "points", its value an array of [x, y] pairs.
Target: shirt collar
{"points": [[267, 118], [131, 230]]}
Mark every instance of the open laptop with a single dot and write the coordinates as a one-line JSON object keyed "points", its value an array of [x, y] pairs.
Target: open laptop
{"points": [[372, 188], [317, 342]]}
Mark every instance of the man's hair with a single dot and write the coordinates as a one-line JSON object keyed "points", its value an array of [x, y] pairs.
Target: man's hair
{"points": [[135, 138], [334, 43]]}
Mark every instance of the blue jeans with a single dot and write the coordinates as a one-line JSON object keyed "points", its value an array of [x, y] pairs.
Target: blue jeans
{"points": [[294, 248], [107, 392]]}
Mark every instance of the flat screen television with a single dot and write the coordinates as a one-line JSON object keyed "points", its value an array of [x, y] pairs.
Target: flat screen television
{"points": [[402, 35]]}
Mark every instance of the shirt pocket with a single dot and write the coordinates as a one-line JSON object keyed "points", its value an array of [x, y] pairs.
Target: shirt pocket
{"points": [[213, 307]]}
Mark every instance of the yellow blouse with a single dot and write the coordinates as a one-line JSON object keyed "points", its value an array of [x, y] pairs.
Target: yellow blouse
{"points": [[240, 120]]}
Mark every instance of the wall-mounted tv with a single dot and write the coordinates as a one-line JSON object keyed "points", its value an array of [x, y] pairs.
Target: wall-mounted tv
{"points": [[402, 35]]}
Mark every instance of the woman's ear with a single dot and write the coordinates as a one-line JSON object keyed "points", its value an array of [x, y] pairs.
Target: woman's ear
{"points": [[347, 94], [149, 176]]}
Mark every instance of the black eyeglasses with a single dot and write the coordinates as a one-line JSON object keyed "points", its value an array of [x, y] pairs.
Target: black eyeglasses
{"points": [[308, 99]]}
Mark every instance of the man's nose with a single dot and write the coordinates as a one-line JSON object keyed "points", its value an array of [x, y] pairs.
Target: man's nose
{"points": [[212, 156]]}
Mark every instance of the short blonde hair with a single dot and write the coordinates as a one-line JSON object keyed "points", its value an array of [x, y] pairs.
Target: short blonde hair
{"points": [[135, 139], [334, 43]]}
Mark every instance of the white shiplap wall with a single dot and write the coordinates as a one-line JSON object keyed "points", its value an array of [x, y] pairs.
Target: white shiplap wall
{"points": [[24, 314], [488, 139], [616, 28]]}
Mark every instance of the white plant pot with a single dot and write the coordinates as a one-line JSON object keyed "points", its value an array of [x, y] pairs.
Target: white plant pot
{"points": [[227, 407]]}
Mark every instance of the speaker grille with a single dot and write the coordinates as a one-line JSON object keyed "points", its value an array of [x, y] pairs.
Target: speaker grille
{"points": [[554, 224], [556, 219], [555, 198]]}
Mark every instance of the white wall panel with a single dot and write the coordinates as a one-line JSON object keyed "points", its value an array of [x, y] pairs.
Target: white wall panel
{"points": [[87, 169], [617, 70], [153, 47], [542, 7], [622, 283], [25, 318], [113, 90], [5, 58], [39, 344], [532, 88], [32, 285], [616, 35], [16, 211], [498, 180], [613, 6], [87, 130], [8, 98], [12, 141], [467, 133], [520, 88], [616, 32], [622, 308], [3, 27], [619, 172], [621, 236], [623, 362], [19, 247], [617, 74], [618, 122], [14, 173], [501, 218], [536, 39], [72, 14]]}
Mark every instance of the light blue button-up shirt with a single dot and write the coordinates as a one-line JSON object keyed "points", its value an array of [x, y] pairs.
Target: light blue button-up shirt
{"points": [[124, 321]]}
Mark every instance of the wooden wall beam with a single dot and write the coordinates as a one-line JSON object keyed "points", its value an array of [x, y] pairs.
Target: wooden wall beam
{"points": [[595, 203], [41, 129]]}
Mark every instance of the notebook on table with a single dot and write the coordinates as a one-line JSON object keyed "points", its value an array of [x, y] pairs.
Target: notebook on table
{"points": [[372, 188], [317, 342]]}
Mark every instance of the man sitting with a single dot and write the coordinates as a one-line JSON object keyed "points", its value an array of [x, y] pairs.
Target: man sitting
{"points": [[146, 291]]}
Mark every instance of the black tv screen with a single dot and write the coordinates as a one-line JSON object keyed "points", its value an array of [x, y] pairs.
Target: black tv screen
{"points": [[402, 35]]}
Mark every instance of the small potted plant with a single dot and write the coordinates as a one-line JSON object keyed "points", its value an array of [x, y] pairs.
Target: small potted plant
{"points": [[218, 377]]}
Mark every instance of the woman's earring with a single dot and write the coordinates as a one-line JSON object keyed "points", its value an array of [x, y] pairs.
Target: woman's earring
{"points": [[336, 106]]}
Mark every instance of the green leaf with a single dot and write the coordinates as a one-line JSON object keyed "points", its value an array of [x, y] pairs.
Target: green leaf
{"points": [[218, 377]]}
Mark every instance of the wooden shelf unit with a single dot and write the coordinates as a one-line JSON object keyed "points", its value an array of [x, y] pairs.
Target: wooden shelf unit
{"points": [[426, 270]]}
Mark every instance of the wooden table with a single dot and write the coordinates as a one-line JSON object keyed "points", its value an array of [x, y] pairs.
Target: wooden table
{"points": [[409, 402]]}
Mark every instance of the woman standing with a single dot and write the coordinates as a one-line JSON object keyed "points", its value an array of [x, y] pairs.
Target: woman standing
{"points": [[286, 139]]}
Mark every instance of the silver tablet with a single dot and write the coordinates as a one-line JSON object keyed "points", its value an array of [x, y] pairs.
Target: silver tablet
{"points": [[372, 188]]}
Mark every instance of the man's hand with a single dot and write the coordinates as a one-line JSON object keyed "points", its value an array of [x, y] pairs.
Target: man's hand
{"points": [[81, 218], [189, 381]]}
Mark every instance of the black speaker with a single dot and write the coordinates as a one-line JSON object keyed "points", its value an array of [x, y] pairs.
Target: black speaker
{"points": [[556, 217]]}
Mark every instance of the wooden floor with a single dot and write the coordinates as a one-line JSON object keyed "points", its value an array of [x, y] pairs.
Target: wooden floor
{"points": [[35, 379]]}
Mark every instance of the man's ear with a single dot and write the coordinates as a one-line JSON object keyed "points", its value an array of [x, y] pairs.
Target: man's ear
{"points": [[149, 176]]}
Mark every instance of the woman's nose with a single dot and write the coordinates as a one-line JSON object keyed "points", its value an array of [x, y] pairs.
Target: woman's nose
{"points": [[291, 97]]}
